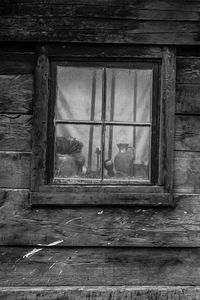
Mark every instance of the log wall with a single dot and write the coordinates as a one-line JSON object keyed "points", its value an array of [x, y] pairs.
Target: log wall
{"points": [[97, 252]]}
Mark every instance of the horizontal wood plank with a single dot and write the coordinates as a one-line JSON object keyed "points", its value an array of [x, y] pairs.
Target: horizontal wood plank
{"points": [[187, 172], [70, 29], [15, 132], [187, 133], [145, 4], [15, 169], [188, 99], [16, 93], [102, 293], [103, 51], [94, 199], [130, 10], [16, 62], [99, 226], [98, 266], [54, 7], [188, 70]]}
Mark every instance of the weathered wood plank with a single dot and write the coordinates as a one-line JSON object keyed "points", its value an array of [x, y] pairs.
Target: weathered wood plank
{"points": [[16, 93], [129, 10], [102, 293], [99, 226], [21, 6], [15, 132], [187, 133], [188, 99], [168, 79], [14, 169], [188, 70], [40, 120], [103, 50], [103, 199], [16, 63], [98, 30], [98, 266], [187, 172]]}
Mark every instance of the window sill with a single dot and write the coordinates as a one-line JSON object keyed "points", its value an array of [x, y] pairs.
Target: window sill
{"points": [[77, 195]]}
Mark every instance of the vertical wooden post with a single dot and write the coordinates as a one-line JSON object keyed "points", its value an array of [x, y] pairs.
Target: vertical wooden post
{"points": [[168, 82], [40, 120]]}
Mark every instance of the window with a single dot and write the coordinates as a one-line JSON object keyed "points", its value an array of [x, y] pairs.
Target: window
{"points": [[102, 126]]}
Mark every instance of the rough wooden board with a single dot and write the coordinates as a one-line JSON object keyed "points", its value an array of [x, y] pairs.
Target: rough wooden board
{"points": [[167, 119], [46, 266], [187, 133], [15, 132], [23, 6], [102, 293], [40, 120], [187, 172], [129, 10], [16, 93], [89, 198], [15, 63], [145, 4], [15, 169], [99, 226], [188, 70], [103, 51], [188, 99], [100, 30]]}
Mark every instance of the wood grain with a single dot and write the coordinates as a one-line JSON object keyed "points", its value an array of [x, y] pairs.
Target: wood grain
{"points": [[16, 93], [14, 169], [97, 30], [188, 99], [187, 172], [16, 62], [103, 51], [188, 70], [22, 225], [187, 133], [98, 266], [131, 10], [102, 293], [40, 120], [168, 79], [15, 132], [184, 5]]}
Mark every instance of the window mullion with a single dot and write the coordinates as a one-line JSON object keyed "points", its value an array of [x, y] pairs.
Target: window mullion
{"points": [[103, 117], [112, 104]]}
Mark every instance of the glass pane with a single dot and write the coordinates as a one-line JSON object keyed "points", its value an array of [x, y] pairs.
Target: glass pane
{"points": [[78, 151], [127, 153], [78, 93], [128, 95]]}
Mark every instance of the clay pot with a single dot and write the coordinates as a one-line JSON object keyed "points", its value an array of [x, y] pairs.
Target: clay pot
{"points": [[123, 161]]}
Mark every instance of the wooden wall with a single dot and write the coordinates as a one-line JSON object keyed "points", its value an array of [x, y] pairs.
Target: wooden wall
{"points": [[97, 252], [114, 21], [96, 246]]}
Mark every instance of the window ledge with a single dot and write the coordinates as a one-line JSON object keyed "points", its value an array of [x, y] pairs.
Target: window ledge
{"points": [[78, 195]]}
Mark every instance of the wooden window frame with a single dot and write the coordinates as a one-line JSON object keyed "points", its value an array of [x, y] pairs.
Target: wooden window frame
{"points": [[44, 192]]}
